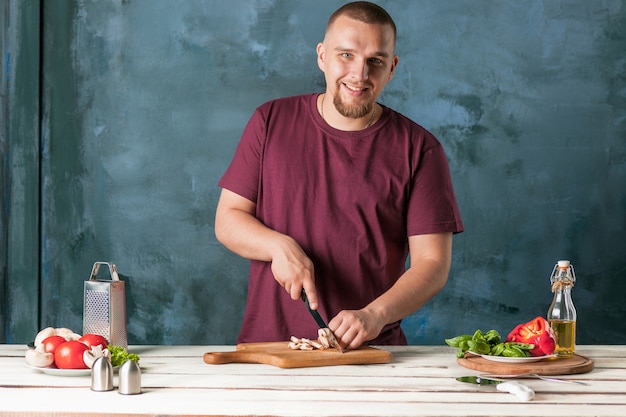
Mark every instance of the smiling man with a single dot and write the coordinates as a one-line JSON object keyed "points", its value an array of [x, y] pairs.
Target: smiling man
{"points": [[329, 193], [358, 60]]}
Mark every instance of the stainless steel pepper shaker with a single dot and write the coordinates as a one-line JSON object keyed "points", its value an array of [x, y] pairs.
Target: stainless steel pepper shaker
{"points": [[102, 375], [129, 378]]}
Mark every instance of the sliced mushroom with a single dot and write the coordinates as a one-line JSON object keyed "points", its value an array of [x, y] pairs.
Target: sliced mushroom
{"points": [[308, 344]]}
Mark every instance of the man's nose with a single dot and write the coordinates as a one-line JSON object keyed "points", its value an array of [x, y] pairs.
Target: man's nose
{"points": [[360, 69]]}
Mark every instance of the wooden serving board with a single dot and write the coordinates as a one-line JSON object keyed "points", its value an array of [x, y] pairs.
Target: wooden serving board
{"points": [[551, 366], [279, 354]]}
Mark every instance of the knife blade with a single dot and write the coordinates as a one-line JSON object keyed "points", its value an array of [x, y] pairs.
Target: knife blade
{"points": [[522, 392], [320, 321], [532, 375]]}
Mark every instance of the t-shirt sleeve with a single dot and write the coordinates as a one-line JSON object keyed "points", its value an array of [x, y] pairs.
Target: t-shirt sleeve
{"points": [[432, 206], [242, 175]]}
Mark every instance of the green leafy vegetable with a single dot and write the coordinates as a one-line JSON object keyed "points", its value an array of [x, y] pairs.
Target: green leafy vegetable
{"points": [[489, 343], [119, 355]]}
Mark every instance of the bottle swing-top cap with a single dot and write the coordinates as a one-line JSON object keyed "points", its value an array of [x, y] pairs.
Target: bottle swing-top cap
{"points": [[562, 275]]}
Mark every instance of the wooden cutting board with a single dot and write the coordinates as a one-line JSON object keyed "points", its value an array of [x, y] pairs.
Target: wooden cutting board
{"points": [[552, 366], [279, 354]]}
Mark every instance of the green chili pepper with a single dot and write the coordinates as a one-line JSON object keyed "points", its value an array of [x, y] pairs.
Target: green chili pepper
{"points": [[513, 352], [523, 346]]}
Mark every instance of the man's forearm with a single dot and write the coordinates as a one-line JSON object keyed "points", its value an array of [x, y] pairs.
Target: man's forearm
{"points": [[414, 289], [426, 276], [243, 234], [239, 230]]}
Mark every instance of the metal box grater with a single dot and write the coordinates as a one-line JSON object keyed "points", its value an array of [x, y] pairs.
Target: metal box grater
{"points": [[105, 306]]}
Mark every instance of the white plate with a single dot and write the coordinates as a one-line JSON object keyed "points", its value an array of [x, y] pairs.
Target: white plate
{"points": [[61, 372], [65, 372], [512, 360]]}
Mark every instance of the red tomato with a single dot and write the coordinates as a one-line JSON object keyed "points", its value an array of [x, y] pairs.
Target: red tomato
{"points": [[51, 343], [69, 355], [92, 340]]}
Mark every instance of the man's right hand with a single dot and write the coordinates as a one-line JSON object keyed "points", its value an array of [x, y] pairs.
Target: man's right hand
{"points": [[294, 270]]}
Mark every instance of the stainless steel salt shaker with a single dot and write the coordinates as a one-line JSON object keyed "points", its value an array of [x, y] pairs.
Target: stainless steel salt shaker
{"points": [[129, 378], [102, 375]]}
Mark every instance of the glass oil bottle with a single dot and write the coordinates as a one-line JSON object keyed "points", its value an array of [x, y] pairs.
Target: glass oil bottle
{"points": [[562, 313]]}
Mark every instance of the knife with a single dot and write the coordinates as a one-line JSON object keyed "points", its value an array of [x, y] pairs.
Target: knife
{"points": [[531, 375], [320, 322], [522, 392]]}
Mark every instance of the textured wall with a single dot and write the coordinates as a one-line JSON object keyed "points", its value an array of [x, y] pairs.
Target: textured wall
{"points": [[19, 169], [144, 102]]}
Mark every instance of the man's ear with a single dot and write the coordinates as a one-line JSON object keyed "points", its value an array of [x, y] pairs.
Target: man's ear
{"points": [[321, 56], [394, 64]]}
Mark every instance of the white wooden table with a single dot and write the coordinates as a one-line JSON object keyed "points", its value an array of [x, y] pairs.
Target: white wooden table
{"points": [[419, 382]]}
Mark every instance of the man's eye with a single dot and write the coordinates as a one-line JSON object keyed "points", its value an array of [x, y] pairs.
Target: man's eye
{"points": [[376, 61], [346, 55]]}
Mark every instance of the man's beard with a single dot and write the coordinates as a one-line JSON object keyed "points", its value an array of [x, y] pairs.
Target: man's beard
{"points": [[353, 112]]}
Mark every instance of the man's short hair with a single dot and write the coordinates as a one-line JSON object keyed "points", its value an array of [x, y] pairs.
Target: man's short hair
{"points": [[364, 11]]}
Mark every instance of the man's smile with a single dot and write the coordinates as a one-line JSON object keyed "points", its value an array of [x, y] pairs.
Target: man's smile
{"points": [[355, 90]]}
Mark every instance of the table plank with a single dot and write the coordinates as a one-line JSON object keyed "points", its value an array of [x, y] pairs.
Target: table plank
{"points": [[419, 382], [315, 403]]}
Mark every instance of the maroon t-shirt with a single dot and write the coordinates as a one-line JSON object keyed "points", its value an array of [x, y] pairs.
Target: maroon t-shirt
{"points": [[350, 199]]}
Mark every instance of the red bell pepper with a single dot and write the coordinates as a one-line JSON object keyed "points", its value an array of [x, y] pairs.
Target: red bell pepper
{"points": [[537, 332]]}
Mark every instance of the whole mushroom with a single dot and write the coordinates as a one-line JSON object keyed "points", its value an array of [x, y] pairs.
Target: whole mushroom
{"points": [[39, 358]]}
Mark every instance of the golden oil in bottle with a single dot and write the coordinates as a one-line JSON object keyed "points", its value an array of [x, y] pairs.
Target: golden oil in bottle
{"points": [[562, 314], [565, 334]]}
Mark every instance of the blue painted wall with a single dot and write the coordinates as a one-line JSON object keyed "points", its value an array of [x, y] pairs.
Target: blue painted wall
{"points": [[143, 103]]}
